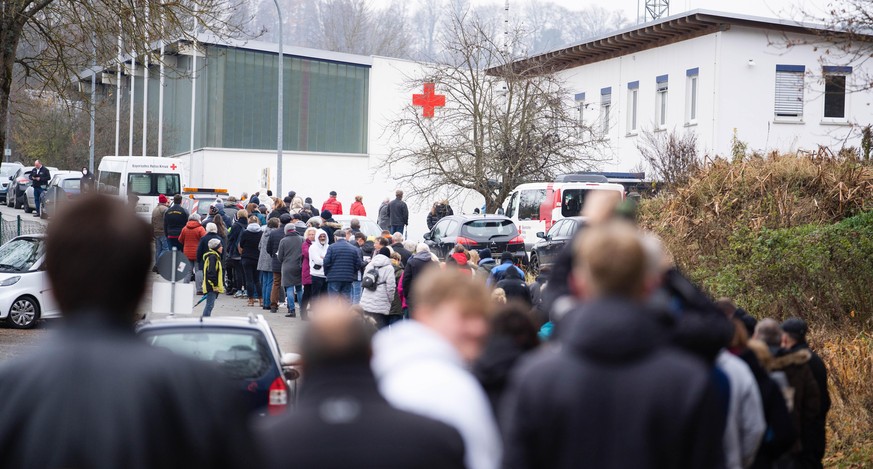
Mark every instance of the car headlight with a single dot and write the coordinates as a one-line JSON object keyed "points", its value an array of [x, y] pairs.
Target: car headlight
{"points": [[10, 281]]}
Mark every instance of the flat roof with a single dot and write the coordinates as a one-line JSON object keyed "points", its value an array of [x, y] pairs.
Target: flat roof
{"points": [[669, 30]]}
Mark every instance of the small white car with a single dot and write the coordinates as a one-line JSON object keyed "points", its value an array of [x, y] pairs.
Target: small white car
{"points": [[25, 293]]}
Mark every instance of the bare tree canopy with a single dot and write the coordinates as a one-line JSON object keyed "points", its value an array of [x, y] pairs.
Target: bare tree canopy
{"points": [[495, 132], [671, 156]]}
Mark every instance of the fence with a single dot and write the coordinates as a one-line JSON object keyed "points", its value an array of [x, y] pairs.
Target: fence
{"points": [[10, 228]]}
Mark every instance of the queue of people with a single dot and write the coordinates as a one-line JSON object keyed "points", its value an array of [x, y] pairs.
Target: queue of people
{"points": [[612, 359]]}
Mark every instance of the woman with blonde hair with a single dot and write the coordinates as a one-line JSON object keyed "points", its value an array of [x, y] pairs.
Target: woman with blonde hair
{"points": [[358, 207]]}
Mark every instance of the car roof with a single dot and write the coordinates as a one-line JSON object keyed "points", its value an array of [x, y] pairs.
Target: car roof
{"points": [[34, 236], [466, 218], [237, 322]]}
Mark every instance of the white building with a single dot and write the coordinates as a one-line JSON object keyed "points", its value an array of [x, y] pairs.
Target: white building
{"points": [[713, 73]]}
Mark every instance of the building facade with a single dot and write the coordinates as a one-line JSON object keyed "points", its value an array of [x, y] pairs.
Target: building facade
{"points": [[718, 76]]}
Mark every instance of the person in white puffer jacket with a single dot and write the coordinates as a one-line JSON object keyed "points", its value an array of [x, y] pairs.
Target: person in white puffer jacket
{"points": [[377, 302], [316, 264]]}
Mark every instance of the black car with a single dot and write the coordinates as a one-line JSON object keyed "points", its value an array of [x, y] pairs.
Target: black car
{"points": [[546, 250], [494, 232]]}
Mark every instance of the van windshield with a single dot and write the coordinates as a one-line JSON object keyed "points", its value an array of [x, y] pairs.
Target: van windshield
{"points": [[152, 184], [573, 200]]}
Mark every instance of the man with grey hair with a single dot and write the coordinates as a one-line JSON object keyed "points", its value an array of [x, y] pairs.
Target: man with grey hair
{"points": [[384, 220], [399, 248]]}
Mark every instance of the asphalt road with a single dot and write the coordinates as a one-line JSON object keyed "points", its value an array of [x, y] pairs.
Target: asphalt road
{"points": [[15, 342]]}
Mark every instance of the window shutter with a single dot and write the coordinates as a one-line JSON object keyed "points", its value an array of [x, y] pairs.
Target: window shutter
{"points": [[789, 93]]}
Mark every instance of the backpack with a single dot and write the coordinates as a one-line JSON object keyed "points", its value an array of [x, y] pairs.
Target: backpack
{"points": [[370, 280]]}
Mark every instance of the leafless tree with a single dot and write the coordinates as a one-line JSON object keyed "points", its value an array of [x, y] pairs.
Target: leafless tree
{"points": [[45, 44], [355, 26], [500, 127], [672, 157]]}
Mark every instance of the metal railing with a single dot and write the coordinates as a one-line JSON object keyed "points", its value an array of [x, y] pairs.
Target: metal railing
{"points": [[19, 226]]}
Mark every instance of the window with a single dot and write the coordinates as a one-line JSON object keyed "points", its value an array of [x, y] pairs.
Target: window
{"points": [[529, 204], [633, 89], [789, 92], [151, 184], [513, 203], [691, 98], [440, 230], [489, 228], [580, 108], [835, 92], [555, 231], [238, 353], [605, 105], [109, 182], [452, 229], [661, 102]]}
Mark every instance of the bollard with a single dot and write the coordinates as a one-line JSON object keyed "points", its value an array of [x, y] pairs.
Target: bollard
{"points": [[18, 223]]}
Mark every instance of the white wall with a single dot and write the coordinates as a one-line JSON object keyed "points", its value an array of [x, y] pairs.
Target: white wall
{"points": [[731, 94]]}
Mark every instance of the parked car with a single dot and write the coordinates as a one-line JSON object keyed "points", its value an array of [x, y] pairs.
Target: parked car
{"points": [[25, 292], [494, 232], [20, 181], [368, 226], [199, 200], [243, 348], [30, 196], [62, 189], [6, 171], [546, 250]]}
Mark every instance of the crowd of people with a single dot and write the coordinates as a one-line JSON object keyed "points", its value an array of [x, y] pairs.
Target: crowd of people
{"points": [[612, 359]]}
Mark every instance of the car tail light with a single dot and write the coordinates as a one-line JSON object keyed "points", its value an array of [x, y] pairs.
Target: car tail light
{"points": [[465, 241], [278, 397], [23, 180], [517, 240]]}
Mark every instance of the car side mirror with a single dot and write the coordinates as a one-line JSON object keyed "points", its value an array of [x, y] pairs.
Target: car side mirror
{"points": [[291, 359], [540, 234], [427, 236]]}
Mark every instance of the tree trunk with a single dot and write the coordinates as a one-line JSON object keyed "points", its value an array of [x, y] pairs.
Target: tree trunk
{"points": [[10, 34]]}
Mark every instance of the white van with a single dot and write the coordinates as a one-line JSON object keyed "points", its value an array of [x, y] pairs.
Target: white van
{"points": [[145, 177], [536, 206]]}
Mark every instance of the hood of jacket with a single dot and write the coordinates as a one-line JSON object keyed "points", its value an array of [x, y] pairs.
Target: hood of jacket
{"points": [[318, 233], [253, 227], [192, 224], [487, 260], [380, 260], [790, 358], [408, 344], [611, 330], [291, 233], [460, 258], [422, 256]]}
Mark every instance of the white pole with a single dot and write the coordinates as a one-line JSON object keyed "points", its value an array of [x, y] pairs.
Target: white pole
{"points": [[161, 94], [145, 88], [193, 88], [118, 93], [281, 113]]}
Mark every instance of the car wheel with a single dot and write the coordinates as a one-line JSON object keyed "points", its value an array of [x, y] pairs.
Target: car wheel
{"points": [[24, 313], [19, 204], [26, 204], [534, 265]]}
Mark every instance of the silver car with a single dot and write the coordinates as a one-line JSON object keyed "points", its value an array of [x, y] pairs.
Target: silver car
{"points": [[30, 197]]}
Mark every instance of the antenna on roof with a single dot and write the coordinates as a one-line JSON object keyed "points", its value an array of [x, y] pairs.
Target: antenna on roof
{"points": [[506, 28], [653, 10]]}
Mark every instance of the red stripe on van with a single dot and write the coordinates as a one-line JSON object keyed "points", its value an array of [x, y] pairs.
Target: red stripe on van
{"points": [[548, 206]]}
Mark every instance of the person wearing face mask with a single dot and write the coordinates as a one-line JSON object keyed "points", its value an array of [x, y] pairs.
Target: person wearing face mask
{"points": [[422, 365], [317, 251], [87, 182]]}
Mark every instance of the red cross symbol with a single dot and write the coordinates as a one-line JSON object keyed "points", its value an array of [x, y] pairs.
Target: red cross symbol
{"points": [[428, 101], [173, 167]]}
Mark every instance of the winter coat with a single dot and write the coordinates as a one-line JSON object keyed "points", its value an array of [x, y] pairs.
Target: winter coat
{"points": [[383, 220], [234, 234], [398, 213], [249, 242], [806, 406], [190, 237], [379, 301], [335, 207], [342, 262], [397, 302], [486, 266], [516, 290], [230, 209], [421, 372], [213, 276], [662, 402], [780, 435], [305, 275], [203, 247], [265, 262], [291, 256], [175, 218], [816, 440], [158, 220], [368, 251], [492, 369], [498, 272], [107, 399], [438, 213], [317, 251], [416, 265], [273, 248], [358, 209], [330, 226], [404, 253], [375, 435], [745, 421], [278, 213]]}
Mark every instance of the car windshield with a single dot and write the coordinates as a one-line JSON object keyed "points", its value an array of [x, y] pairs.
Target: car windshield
{"points": [[71, 184], [153, 184], [573, 200], [489, 229], [20, 254], [8, 170], [368, 227], [240, 354]]}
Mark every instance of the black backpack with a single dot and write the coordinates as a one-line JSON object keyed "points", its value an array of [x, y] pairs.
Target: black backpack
{"points": [[370, 280]]}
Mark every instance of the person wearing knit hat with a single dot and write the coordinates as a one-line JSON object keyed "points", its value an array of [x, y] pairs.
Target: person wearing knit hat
{"points": [[213, 277], [162, 199]]}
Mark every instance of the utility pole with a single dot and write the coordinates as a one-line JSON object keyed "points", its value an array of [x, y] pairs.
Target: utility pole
{"points": [[281, 113]]}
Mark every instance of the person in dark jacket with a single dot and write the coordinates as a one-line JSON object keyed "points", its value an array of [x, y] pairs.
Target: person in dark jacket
{"points": [[203, 248], [439, 211], [780, 435], [40, 177], [622, 370], [107, 399], [233, 262], [793, 340], [290, 255], [397, 246], [417, 264], [273, 241], [249, 249], [213, 278], [341, 419], [515, 287], [87, 182], [507, 263], [342, 265], [486, 263], [398, 213], [384, 221], [329, 225], [175, 218]]}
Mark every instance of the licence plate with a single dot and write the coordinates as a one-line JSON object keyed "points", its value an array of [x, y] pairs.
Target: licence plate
{"points": [[142, 208]]}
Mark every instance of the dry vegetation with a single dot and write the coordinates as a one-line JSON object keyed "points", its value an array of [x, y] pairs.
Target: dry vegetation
{"points": [[789, 235]]}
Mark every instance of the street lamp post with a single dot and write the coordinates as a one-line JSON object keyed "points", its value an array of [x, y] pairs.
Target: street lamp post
{"points": [[281, 106]]}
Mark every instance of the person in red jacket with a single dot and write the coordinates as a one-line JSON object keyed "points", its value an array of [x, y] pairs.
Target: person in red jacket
{"points": [[358, 207], [332, 205], [190, 236]]}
